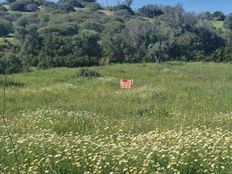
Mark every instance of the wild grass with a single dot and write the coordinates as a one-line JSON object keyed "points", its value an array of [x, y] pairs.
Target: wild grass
{"points": [[176, 119]]}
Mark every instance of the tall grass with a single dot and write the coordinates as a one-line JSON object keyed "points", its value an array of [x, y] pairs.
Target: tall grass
{"points": [[176, 119]]}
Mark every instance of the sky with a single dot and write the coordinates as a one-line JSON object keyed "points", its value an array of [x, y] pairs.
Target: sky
{"points": [[189, 5]]}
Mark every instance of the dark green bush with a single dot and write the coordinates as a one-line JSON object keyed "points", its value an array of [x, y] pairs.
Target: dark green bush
{"points": [[150, 11], [87, 73], [5, 27], [10, 64], [67, 8], [123, 7], [31, 8], [18, 6]]}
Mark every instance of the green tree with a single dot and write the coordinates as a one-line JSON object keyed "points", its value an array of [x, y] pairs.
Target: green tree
{"points": [[88, 40], [113, 42], [187, 45], [33, 41], [18, 6], [158, 51], [219, 16], [55, 45]]}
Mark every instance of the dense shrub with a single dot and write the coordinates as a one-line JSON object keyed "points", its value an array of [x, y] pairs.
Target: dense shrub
{"points": [[31, 8], [66, 61], [5, 27], [74, 3], [93, 6], [64, 29], [26, 5], [87, 73], [10, 64], [92, 24], [81, 61], [18, 6], [123, 7], [150, 11], [67, 7]]}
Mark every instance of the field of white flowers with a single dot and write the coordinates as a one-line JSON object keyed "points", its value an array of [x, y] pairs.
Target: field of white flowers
{"points": [[166, 124], [42, 148]]}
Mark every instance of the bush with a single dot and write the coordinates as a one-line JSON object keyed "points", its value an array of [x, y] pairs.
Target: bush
{"points": [[63, 29], [123, 7], [150, 11], [122, 13], [71, 61], [5, 27], [31, 8], [74, 3], [91, 24], [93, 6], [87, 73], [67, 8], [18, 6], [74, 61], [10, 64]]}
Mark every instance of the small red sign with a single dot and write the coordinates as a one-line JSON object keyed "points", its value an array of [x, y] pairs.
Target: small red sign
{"points": [[126, 84]]}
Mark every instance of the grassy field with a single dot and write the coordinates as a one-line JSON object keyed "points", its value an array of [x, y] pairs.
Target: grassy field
{"points": [[176, 119]]}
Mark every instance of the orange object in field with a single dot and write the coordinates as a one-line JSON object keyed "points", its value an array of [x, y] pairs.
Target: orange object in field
{"points": [[126, 84]]}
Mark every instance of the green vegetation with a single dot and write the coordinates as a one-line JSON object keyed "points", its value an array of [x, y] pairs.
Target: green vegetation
{"points": [[5, 27], [177, 118], [76, 33], [219, 25], [68, 119]]}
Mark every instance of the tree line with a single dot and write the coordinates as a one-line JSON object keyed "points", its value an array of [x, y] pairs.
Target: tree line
{"points": [[76, 33]]}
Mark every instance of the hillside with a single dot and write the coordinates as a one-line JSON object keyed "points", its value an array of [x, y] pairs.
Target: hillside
{"points": [[74, 33]]}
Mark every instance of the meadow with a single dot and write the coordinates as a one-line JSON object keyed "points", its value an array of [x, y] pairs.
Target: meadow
{"points": [[176, 119]]}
